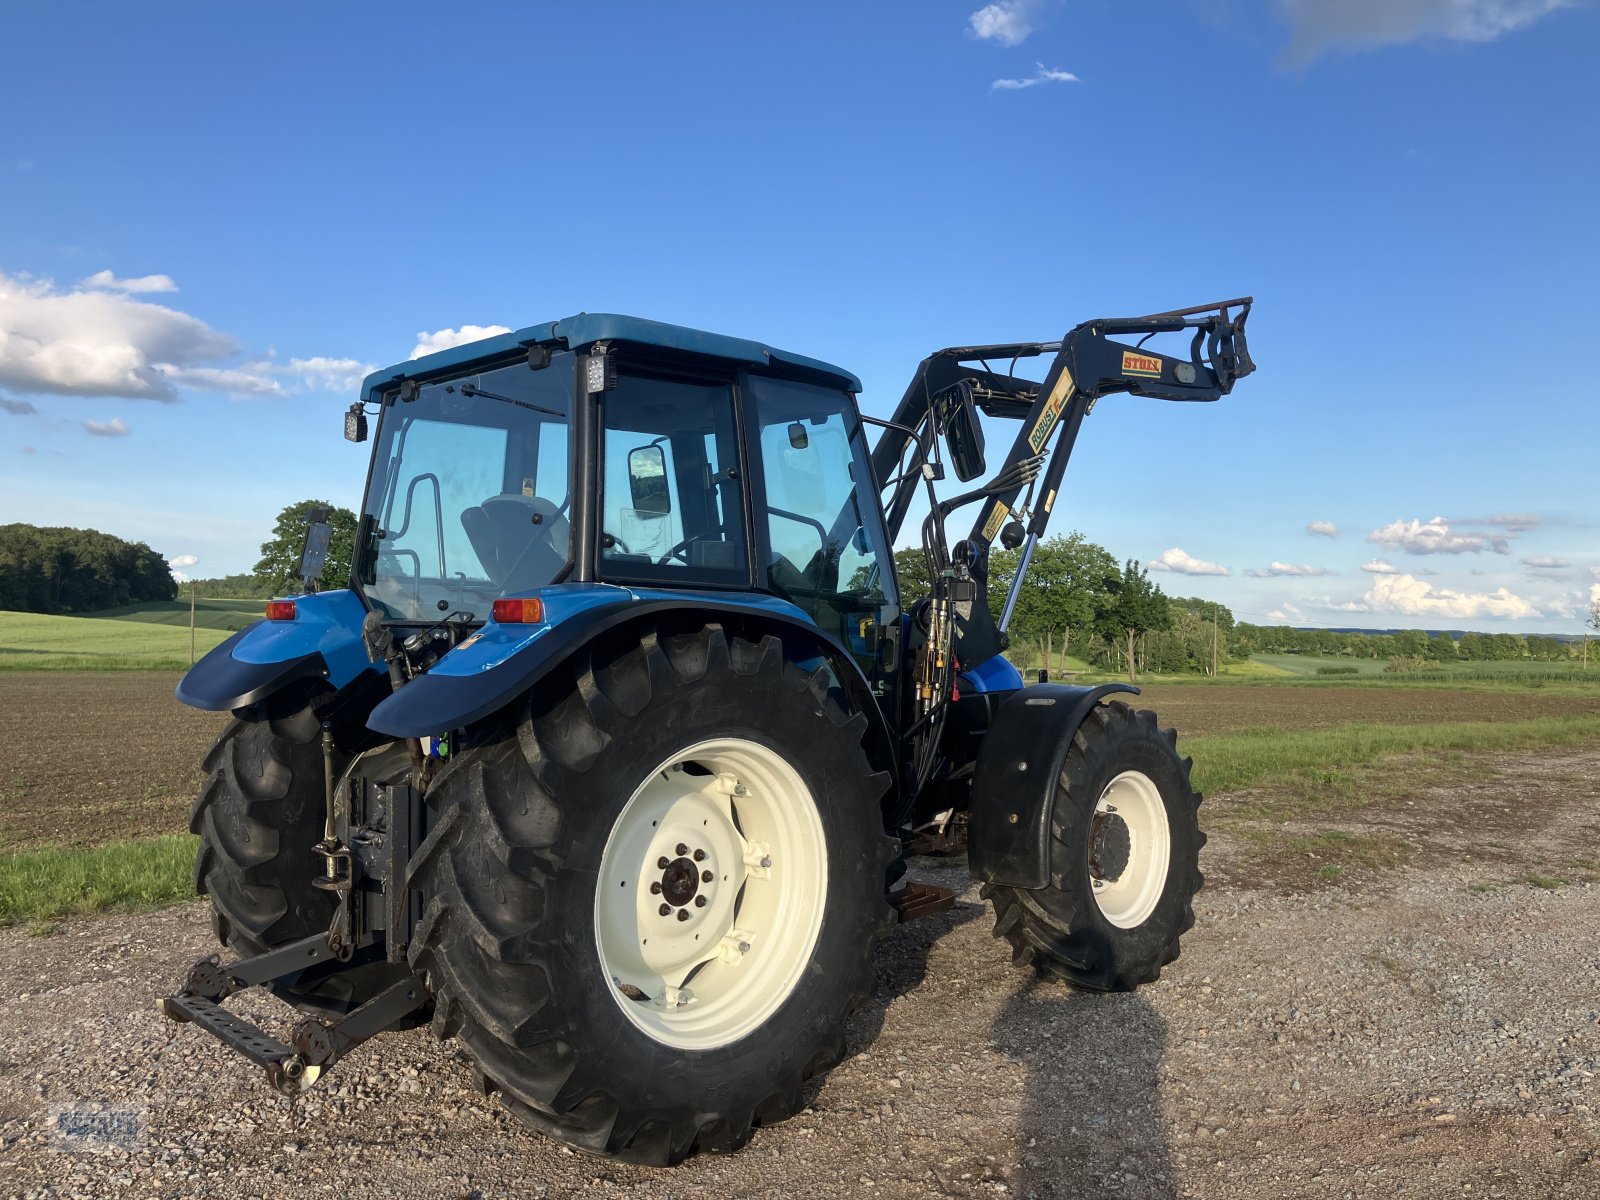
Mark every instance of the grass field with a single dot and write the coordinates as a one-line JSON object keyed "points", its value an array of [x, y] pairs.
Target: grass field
{"points": [[226, 615], [147, 639]]}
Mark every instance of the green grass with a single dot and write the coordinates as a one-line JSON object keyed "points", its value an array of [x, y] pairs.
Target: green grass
{"points": [[39, 885], [226, 615], [35, 642], [1306, 666], [1227, 762]]}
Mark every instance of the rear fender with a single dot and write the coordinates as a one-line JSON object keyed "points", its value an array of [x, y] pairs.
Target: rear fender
{"points": [[502, 662], [1014, 786], [322, 642]]}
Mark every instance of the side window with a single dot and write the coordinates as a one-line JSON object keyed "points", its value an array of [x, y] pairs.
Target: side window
{"points": [[671, 507]]}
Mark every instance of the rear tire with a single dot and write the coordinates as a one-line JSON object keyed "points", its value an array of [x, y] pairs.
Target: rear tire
{"points": [[259, 812], [1124, 859], [548, 833]]}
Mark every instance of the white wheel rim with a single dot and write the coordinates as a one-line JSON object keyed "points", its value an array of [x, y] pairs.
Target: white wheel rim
{"points": [[719, 971], [1127, 896]]}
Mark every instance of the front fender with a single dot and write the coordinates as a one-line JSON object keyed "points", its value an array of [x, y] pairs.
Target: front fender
{"points": [[1014, 786], [322, 642]]}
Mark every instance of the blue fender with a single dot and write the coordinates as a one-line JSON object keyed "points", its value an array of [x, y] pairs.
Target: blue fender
{"points": [[322, 642], [1014, 786], [501, 662]]}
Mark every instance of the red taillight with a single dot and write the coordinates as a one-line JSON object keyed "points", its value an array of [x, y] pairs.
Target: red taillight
{"points": [[280, 610], [516, 610]]}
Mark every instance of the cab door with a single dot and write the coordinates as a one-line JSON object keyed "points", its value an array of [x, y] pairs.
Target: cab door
{"points": [[821, 540]]}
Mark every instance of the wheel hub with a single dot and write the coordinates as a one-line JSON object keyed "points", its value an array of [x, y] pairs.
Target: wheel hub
{"points": [[709, 898], [1109, 847], [679, 882]]}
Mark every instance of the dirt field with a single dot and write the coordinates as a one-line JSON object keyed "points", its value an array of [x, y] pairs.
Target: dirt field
{"points": [[95, 756], [1426, 1029]]}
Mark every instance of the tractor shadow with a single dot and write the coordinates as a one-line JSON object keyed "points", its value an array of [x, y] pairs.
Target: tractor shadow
{"points": [[1089, 1120]]}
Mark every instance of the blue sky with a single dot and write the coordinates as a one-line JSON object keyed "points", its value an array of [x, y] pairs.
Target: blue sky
{"points": [[213, 218]]}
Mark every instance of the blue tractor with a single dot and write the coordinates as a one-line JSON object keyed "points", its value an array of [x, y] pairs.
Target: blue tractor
{"points": [[607, 758]]}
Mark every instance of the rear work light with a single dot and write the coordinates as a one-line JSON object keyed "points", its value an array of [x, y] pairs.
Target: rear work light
{"points": [[513, 610], [280, 610]]}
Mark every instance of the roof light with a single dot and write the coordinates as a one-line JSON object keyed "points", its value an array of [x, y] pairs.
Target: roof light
{"points": [[519, 610], [280, 610]]}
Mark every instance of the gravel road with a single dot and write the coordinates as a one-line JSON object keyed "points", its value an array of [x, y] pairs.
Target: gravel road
{"points": [[1395, 1034]]}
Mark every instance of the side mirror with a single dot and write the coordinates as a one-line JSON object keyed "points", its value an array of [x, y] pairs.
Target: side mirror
{"points": [[314, 554], [958, 412], [647, 480]]}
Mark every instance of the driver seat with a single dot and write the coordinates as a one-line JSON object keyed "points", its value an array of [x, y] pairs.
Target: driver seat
{"points": [[516, 538]]}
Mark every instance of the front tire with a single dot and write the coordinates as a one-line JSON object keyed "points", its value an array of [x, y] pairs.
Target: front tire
{"points": [[659, 760], [1124, 859]]}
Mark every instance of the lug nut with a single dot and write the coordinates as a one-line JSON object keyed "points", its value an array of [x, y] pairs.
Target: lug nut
{"points": [[699, 856], [663, 862], [705, 876], [655, 888], [665, 909], [699, 901], [682, 850], [683, 914]]}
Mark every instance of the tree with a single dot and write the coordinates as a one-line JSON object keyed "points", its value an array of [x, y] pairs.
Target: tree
{"points": [[1137, 606], [279, 567], [1593, 623], [1069, 580], [911, 570], [60, 570]]}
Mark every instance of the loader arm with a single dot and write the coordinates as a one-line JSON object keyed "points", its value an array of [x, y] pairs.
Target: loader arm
{"points": [[1089, 362]]}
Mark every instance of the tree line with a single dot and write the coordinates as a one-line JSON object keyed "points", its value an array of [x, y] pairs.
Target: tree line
{"points": [[1078, 600], [1442, 646], [60, 570]]}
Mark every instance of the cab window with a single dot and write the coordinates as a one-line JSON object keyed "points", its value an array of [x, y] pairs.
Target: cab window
{"points": [[671, 506]]}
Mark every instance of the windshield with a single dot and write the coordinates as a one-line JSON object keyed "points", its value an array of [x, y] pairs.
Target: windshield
{"points": [[469, 492]]}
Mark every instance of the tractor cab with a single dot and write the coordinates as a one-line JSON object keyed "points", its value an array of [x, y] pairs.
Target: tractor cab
{"points": [[609, 450]]}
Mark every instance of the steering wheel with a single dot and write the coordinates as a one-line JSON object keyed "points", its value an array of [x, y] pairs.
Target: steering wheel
{"points": [[612, 541], [680, 551]]}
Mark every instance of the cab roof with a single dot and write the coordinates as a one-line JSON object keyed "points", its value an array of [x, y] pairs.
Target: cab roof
{"points": [[585, 329]]}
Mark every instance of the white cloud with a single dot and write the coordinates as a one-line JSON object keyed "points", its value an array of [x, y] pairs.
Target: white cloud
{"points": [[17, 408], [1323, 529], [1434, 537], [252, 379], [99, 339], [1512, 523], [116, 427], [183, 560], [1380, 567], [446, 339], [1286, 612], [1185, 563], [1043, 74], [97, 343], [1319, 25], [1008, 22], [1279, 568], [1545, 562], [323, 374], [105, 280], [1409, 595]]}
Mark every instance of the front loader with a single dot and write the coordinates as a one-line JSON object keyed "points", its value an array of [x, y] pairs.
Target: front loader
{"points": [[607, 759]]}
